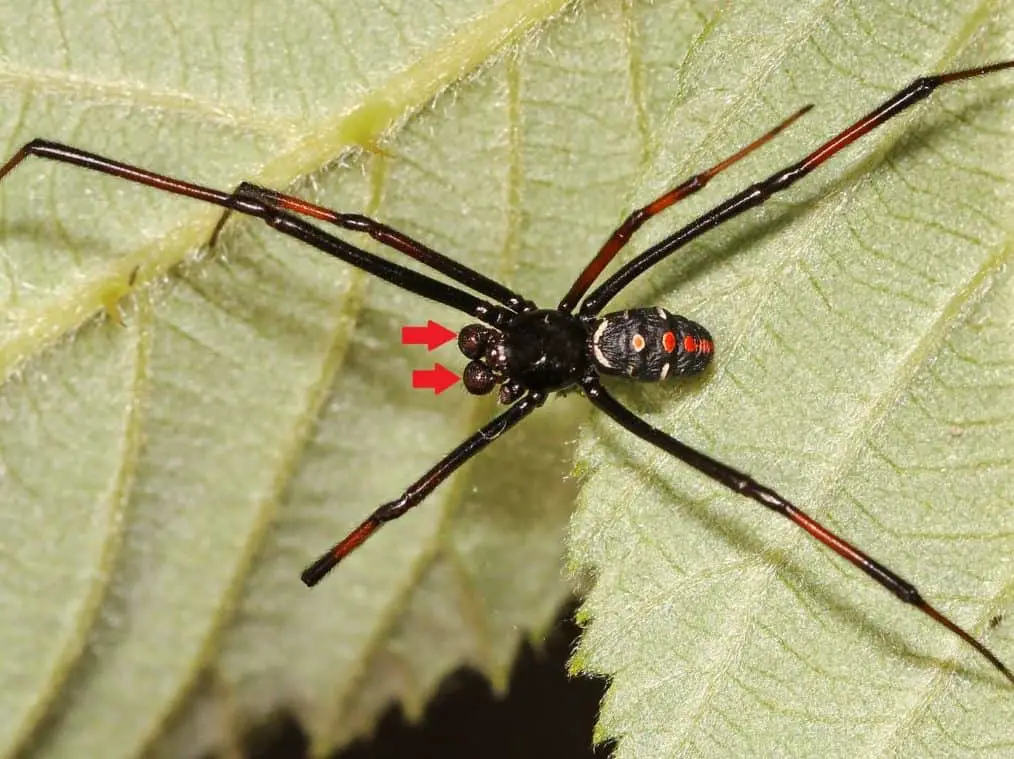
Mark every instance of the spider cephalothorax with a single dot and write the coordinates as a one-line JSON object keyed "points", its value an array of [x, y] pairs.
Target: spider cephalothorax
{"points": [[540, 350]]}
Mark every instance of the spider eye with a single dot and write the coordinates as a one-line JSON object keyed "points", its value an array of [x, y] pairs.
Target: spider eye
{"points": [[472, 340], [478, 378]]}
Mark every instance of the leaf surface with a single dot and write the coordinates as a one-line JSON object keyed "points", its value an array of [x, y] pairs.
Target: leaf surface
{"points": [[863, 369], [169, 468], [165, 480]]}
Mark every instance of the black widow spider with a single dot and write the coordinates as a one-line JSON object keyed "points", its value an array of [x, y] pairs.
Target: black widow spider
{"points": [[530, 352]]}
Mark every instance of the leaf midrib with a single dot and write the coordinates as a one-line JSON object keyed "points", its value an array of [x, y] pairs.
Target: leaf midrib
{"points": [[484, 39]]}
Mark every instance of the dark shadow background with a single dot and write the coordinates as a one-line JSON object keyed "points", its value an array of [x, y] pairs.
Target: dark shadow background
{"points": [[544, 714]]}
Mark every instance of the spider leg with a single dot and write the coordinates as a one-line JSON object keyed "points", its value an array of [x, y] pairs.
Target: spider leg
{"points": [[621, 236], [745, 485], [758, 193], [385, 235], [283, 221], [422, 487]]}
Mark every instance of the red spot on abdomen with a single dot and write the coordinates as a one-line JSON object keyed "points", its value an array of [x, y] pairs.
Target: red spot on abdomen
{"points": [[669, 342], [692, 345]]}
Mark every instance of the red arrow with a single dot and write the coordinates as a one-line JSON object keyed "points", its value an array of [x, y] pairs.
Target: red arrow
{"points": [[433, 335], [439, 378]]}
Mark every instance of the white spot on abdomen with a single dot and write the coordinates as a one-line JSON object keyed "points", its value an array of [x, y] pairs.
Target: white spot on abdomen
{"points": [[599, 356]]}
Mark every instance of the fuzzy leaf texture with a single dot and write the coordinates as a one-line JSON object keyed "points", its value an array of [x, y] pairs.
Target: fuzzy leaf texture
{"points": [[164, 480], [864, 328]]}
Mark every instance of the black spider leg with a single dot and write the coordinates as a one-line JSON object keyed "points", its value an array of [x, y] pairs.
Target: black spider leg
{"points": [[422, 487], [285, 222], [745, 485], [622, 234], [758, 193], [385, 235]]}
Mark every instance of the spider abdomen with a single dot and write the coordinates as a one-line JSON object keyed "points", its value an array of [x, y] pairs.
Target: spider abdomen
{"points": [[649, 344]]}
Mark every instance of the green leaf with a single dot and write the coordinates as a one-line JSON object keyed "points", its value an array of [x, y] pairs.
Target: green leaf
{"points": [[864, 329], [169, 468], [165, 480]]}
